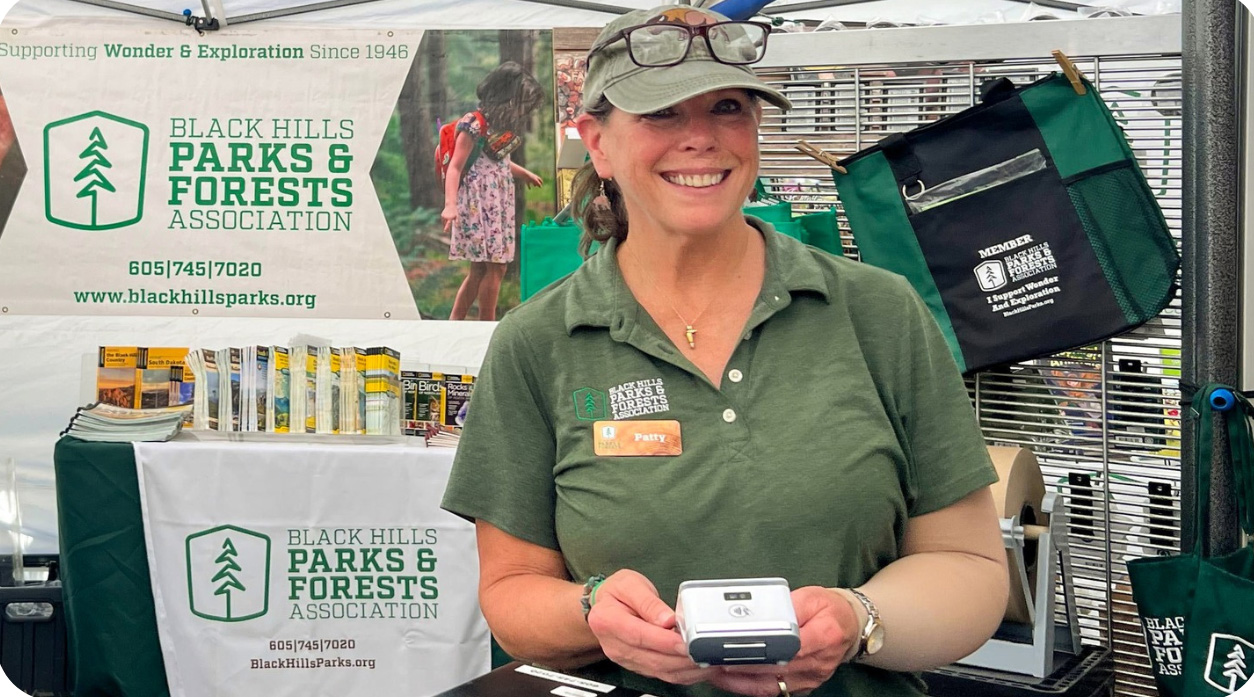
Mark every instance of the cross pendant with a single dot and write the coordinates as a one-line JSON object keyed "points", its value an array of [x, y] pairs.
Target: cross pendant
{"points": [[689, 332]]}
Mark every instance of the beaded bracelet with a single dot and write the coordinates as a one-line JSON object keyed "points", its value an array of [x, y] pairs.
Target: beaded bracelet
{"points": [[589, 595]]}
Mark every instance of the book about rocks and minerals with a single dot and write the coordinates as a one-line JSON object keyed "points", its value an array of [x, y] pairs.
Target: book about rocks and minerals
{"points": [[456, 404]]}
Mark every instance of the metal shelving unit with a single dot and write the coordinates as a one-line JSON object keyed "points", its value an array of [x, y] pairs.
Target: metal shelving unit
{"points": [[1103, 420]]}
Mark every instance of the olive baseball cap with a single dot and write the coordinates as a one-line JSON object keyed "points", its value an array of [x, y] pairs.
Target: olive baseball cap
{"points": [[639, 90]]}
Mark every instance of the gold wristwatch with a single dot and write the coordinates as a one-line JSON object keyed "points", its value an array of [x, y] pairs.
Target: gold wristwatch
{"points": [[872, 639]]}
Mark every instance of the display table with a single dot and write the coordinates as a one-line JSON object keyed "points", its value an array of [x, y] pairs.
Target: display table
{"points": [[238, 577]]}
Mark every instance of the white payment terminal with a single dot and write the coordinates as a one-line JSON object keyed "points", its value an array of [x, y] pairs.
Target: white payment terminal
{"points": [[740, 621]]}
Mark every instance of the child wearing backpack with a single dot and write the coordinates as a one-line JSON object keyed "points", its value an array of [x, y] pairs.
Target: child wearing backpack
{"points": [[479, 183]]}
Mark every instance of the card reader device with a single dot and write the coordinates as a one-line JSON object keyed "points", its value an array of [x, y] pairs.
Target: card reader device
{"points": [[740, 621]]}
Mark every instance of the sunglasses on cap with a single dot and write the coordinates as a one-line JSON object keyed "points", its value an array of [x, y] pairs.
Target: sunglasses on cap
{"points": [[661, 45]]}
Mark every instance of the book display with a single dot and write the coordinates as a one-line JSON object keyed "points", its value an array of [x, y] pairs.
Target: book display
{"points": [[303, 388]]}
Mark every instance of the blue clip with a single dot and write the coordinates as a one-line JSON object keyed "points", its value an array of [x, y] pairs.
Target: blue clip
{"points": [[740, 10], [1222, 399]]}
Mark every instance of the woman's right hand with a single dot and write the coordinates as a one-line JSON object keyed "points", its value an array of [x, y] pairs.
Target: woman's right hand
{"points": [[637, 630], [449, 216]]}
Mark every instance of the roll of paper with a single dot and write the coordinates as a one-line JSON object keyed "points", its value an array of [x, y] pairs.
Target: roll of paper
{"points": [[1019, 490]]}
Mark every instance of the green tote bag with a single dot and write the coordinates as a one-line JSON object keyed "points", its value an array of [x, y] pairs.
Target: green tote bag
{"points": [[1023, 222], [547, 252], [1197, 612]]}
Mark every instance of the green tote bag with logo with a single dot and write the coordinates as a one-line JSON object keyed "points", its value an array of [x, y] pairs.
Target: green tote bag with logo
{"points": [[1197, 612], [1023, 222]]}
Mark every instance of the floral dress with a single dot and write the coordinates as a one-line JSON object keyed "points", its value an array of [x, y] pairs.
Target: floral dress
{"points": [[484, 230]]}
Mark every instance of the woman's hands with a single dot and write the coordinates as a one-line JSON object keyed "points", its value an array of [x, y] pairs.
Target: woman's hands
{"points": [[829, 630], [637, 630]]}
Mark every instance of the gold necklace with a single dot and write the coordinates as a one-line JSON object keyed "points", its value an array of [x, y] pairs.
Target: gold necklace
{"points": [[690, 328]]}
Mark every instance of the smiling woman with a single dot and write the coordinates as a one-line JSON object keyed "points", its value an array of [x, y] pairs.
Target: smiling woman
{"points": [[706, 398]]}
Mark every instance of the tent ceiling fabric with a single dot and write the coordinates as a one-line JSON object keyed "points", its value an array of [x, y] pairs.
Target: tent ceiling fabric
{"points": [[530, 14]]}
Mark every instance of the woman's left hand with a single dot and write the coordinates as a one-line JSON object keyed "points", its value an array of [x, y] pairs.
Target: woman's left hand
{"points": [[828, 628]]}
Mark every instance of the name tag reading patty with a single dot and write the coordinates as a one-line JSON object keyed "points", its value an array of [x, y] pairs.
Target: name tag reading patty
{"points": [[636, 438]]}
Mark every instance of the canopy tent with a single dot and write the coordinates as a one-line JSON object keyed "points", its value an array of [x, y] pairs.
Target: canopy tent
{"points": [[544, 14], [40, 400]]}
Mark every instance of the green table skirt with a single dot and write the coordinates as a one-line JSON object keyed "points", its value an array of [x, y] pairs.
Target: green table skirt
{"points": [[112, 628]]}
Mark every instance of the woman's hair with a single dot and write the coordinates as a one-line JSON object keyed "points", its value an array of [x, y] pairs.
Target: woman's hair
{"points": [[507, 96], [601, 223]]}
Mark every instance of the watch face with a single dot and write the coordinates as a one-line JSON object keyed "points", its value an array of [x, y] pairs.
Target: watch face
{"points": [[875, 640]]}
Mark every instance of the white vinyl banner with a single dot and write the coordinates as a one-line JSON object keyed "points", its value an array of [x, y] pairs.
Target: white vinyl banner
{"points": [[283, 569], [174, 173]]}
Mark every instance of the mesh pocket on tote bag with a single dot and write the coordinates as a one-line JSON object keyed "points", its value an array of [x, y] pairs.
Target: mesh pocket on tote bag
{"points": [[1023, 222]]}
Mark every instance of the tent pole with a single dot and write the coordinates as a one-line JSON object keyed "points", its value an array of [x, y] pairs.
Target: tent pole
{"points": [[1056, 4], [125, 7], [299, 9], [804, 6], [1061, 5], [581, 5], [1211, 279]]}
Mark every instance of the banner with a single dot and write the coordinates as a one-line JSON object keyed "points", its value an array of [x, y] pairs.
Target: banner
{"points": [[298, 569], [146, 169]]}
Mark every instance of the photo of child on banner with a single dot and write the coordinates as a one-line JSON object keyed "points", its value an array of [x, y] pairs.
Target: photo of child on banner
{"points": [[476, 104], [479, 184]]}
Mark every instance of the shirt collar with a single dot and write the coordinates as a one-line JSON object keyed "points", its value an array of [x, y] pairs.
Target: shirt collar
{"points": [[599, 297]]}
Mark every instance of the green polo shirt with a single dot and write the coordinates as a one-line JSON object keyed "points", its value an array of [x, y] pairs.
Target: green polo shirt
{"points": [[841, 415]]}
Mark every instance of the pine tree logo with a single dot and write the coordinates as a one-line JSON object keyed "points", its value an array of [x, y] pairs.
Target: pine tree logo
{"points": [[94, 170], [228, 574], [991, 275], [589, 404], [96, 180], [1227, 665]]}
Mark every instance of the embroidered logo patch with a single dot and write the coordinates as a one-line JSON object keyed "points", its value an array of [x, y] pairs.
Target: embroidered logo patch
{"points": [[638, 398], [589, 404]]}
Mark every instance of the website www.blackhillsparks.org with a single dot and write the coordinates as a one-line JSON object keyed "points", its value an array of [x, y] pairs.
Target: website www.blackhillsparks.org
{"points": [[199, 296]]}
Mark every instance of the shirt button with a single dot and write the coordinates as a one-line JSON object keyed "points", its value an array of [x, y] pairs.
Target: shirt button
{"points": [[776, 298], [729, 415], [735, 375]]}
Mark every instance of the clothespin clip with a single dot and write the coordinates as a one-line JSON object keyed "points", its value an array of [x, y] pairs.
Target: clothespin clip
{"points": [[826, 158], [1073, 73]]}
